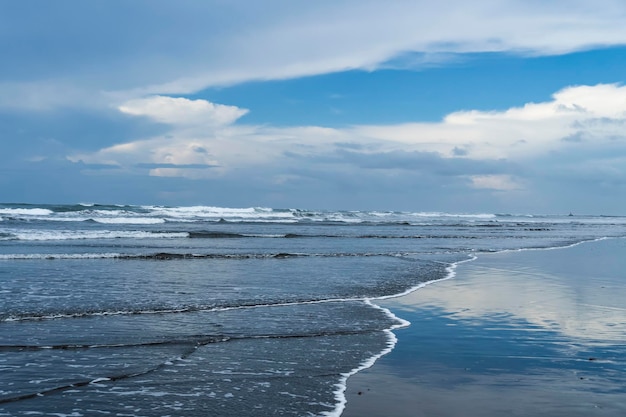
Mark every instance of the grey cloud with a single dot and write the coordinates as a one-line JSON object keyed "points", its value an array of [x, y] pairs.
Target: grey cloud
{"points": [[576, 137], [201, 150], [58, 132], [98, 166], [411, 161], [350, 145], [593, 122], [184, 166], [459, 151]]}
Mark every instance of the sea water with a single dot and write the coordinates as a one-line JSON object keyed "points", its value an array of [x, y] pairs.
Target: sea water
{"points": [[209, 311]]}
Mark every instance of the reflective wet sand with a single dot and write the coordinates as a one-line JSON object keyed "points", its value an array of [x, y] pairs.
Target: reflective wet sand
{"points": [[528, 333]]}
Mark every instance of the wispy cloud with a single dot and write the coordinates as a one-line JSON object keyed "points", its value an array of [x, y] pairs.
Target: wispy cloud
{"points": [[132, 50]]}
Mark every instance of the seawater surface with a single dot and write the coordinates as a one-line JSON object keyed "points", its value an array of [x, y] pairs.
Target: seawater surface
{"points": [[195, 311]]}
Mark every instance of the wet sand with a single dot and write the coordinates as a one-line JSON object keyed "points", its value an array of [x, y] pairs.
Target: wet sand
{"points": [[526, 333]]}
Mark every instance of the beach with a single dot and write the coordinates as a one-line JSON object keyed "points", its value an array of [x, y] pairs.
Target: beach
{"points": [[517, 333], [206, 311]]}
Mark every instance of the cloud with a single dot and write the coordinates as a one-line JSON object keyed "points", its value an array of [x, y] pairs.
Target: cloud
{"points": [[495, 182], [155, 47], [578, 115], [327, 36], [508, 151], [182, 111], [186, 166]]}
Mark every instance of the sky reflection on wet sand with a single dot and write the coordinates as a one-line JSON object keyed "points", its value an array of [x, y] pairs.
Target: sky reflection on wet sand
{"points": [[514, 333]]}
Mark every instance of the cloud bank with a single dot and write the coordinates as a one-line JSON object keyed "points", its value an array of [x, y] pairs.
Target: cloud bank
{"points": [[581, 128]]}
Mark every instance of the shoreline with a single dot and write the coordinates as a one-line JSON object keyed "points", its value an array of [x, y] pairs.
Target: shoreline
{"points": [[383, 388], [342, 385]]}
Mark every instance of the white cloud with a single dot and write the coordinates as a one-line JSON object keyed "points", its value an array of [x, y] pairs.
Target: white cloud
{"points": [[329, 36], [213, 43], [595, 113], [182, 111], [586, 122], [226, 149]]}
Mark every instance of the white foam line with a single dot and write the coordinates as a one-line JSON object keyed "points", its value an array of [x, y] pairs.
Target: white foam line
{"points": [[52, 256], [342, 385], [174, 310], [571, 245]]}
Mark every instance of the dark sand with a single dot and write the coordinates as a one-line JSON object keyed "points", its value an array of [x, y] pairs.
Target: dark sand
{"points": [[527, 333]]}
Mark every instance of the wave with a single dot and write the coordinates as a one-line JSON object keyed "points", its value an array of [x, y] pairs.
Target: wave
{"points": [[240, 305], [189, 344], [44, 235], [195, 339], [128, 220], [39, 256], [198, 340], [66, 235], [8, 211], [214, 235], [147, 214], [152, 214], [110, 378], [166, 256]]}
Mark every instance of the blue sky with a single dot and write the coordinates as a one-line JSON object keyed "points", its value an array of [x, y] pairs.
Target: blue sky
{"points": [[508, 106]]}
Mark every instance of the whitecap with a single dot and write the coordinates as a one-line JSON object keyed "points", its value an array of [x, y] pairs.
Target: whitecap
{"points": [[25, 211], [129, 220], [45, 235]]}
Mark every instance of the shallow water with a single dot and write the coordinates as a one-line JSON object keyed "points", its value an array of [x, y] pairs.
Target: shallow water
{"points": [[150, 311]]}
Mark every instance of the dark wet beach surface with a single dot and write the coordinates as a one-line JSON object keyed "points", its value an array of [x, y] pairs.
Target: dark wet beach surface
{"points": [[530, 333]]}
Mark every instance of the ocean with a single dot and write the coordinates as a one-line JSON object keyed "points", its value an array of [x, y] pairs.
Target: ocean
{"points": [[207, 311]]}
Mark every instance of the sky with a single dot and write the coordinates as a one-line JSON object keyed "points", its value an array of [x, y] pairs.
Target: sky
{"points": [[465, 107]]}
